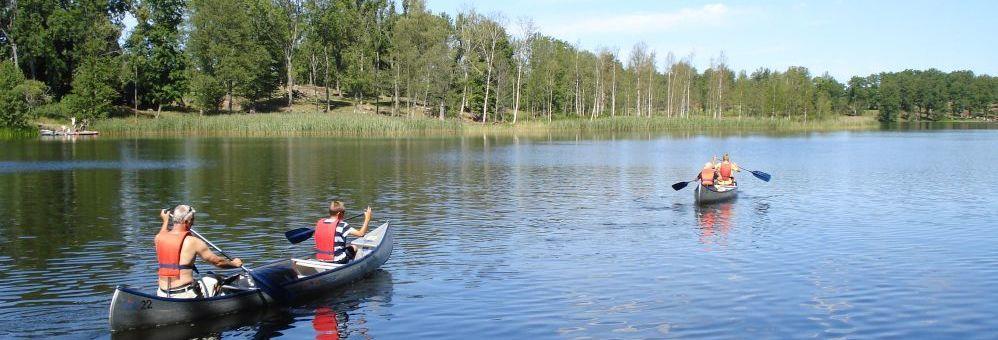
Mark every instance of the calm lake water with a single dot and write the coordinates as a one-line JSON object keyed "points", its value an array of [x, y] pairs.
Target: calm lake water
{"points": [[859, 234]]}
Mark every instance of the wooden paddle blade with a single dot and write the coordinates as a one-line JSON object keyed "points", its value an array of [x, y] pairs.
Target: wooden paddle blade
{"points": [[298, 235], [679, 186], [761, 175]]}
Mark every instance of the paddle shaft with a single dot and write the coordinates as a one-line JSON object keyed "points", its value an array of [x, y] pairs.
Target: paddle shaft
{"points": [[277, 294], [213, 246], [354, 216]]}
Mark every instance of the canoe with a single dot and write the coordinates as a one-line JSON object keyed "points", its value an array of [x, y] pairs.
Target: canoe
{"points": [[713, 194], [68, 133], [133, 309], [269, 322]]}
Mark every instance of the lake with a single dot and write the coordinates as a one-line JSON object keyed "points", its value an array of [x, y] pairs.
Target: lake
{"points": [[887, 233]]}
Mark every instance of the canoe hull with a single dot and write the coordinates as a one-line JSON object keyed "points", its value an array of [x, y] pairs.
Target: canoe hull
{"points": [[132, 309], [324, 282], [704, 195]]}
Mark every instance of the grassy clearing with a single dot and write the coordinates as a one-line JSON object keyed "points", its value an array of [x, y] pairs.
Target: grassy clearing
{"points": [[347, 122]]}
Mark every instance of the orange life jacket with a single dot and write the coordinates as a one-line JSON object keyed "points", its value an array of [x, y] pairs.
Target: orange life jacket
{"points": [[168, 248], [328, 244], [707, 177], [725, 171]]}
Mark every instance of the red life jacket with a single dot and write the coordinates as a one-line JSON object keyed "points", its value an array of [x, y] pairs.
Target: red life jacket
{"points": [[168, 248], [326, 246], [707, 177], [725, 171]]}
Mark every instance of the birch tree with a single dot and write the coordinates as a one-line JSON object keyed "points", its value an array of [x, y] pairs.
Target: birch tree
{"points": [[489, 32], [8, 19], [523, 48], [288, 20]]}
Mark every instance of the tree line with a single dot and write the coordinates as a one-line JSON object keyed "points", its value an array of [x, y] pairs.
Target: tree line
{"points": [[66, 58]]}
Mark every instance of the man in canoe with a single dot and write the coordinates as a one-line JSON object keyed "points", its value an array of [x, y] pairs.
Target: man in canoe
{"points": [[725, 171], [707, 174], [330, 233], [176, 250]]}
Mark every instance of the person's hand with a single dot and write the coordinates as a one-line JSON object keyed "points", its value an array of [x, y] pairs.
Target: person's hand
{"points": [[236, 262], [164, 215], [367, 214]]}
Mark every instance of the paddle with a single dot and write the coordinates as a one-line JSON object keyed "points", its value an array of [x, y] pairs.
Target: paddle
{"points": [[681, 185], [760, 175], [301, 234], [275, 292]]}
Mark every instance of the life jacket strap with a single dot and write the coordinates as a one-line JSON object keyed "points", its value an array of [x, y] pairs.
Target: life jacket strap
{"points": [[176, 266]]}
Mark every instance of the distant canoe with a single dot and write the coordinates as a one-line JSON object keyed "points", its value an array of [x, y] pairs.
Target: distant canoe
{"points": [[712, 194], [132, 309], [68, 133]]}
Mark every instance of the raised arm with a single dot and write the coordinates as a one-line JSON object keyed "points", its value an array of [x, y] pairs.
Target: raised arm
{"points": [[367, 222], [206, 254], [165, 216]]}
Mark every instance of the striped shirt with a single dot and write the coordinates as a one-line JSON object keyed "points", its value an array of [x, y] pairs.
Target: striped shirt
{"points": [[339, 242]]}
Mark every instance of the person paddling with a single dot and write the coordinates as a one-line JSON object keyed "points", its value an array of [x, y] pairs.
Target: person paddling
{"points": [[176, 252], [725, 171], [707, 174], [330, 233]]}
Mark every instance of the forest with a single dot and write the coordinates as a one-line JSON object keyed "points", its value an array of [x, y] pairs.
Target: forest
{"points": [[65, 59]]}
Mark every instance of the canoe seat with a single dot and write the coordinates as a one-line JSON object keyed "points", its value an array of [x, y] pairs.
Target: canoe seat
{"points": [[365, 242], [311, 267]]}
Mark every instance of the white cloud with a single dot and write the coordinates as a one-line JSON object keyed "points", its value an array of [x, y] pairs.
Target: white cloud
{"points": [[644, 22]]}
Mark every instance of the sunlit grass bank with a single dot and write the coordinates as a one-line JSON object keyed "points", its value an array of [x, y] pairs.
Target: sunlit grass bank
{"points": [[348, 123]]}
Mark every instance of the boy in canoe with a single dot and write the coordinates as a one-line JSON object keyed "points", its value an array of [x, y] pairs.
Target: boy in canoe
{"points": [[725, 171], [330, 233], [176, 252]]}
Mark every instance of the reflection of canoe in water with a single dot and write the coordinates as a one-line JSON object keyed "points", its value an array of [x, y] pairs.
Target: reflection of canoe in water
{"points": [[212, 328], [68, 133], [712, 194], [132, 309]]}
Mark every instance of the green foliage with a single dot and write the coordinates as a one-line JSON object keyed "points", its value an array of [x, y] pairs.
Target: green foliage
{"points": [[226, 46], [94, 89], [422, 55], [862, 93], [19, 97], [931, 94], [889, 97], [13, 108], [206, 91], [156, 63], [56, 37], [52, 110]]}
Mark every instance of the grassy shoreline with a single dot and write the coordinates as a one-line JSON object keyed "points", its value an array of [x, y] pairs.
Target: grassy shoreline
{"points": [[345, 122]]}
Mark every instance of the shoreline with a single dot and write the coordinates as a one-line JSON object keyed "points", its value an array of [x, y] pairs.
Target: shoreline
{"points": [[344, 122]]}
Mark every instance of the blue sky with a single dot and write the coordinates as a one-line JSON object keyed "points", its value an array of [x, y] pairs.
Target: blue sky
{"points": [[844, 38]]}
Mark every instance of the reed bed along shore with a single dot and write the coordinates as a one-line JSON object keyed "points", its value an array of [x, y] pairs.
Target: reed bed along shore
{"points": [[9, 133], [347, 123]]}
